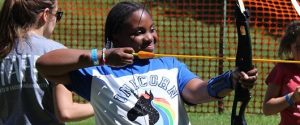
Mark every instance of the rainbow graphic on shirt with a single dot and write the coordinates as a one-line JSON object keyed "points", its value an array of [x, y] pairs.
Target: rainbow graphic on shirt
{"points": [[164, 108]]}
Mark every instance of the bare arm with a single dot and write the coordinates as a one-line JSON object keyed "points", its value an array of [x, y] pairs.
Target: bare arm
{"points": [[56, 65], [195, 92], [274, 103], [66, 110]]}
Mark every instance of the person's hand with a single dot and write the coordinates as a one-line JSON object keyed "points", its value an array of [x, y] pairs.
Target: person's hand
{"points": [[296, 95], [118, 57], [247, 79]]}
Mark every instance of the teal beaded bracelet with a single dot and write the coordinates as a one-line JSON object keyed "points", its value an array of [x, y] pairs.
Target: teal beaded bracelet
{"points": [[94, 56]]}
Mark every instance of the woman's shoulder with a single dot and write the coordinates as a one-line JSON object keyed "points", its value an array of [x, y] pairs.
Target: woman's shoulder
{"points": [[42, 39], [285, 68], [44, 42], [285, 65]]}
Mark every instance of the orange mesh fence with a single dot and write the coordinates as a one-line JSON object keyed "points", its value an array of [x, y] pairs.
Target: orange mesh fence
{"points": [[194, 27]]}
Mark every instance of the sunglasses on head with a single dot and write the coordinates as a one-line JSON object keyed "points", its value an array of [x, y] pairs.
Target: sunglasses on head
{"points": [[59, 15]]}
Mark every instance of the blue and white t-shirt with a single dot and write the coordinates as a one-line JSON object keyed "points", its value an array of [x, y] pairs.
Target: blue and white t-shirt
{"points": [[147, 92]]}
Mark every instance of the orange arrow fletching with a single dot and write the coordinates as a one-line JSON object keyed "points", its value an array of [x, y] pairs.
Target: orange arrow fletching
{"points": [[145, 55]]}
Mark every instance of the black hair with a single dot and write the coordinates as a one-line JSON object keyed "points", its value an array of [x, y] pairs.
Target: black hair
{"points": [[117, 17]]}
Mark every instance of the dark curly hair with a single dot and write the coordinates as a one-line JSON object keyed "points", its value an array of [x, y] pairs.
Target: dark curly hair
{"points": [[290, 36]]}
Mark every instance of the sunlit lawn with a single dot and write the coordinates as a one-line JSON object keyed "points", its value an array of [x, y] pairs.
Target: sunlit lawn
{"points": [[213, 119]]}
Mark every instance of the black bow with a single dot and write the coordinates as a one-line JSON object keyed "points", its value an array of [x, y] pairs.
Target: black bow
{"points": [[243, 62]]}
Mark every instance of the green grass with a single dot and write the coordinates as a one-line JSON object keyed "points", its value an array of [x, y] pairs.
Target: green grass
{"points": [[211, 119], [90, 121], [224, 119]]}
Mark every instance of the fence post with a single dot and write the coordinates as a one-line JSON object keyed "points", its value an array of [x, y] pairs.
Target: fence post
{"points": [[223, 24]]}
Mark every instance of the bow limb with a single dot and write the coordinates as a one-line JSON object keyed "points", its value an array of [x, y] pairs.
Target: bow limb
{"points": [[243, 62], [296, 6]]}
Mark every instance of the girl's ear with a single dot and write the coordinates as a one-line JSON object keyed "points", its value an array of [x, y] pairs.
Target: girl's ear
{"points": [[45, 15], [108, 43]]}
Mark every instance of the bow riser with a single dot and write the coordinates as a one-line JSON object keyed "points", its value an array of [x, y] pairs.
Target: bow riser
{"points": [[243, 62]]}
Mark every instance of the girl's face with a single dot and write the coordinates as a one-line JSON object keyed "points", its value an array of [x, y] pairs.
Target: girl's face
{"points": [[50, 24], [295, 48], [138, 32]]}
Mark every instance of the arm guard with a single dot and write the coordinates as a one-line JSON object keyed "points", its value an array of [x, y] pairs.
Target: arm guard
{"points": [[219, 83]]}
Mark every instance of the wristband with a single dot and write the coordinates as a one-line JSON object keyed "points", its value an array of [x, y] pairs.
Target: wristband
{"points": [[94, 56], [289, 100], [103, 56], [219, 83]]}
